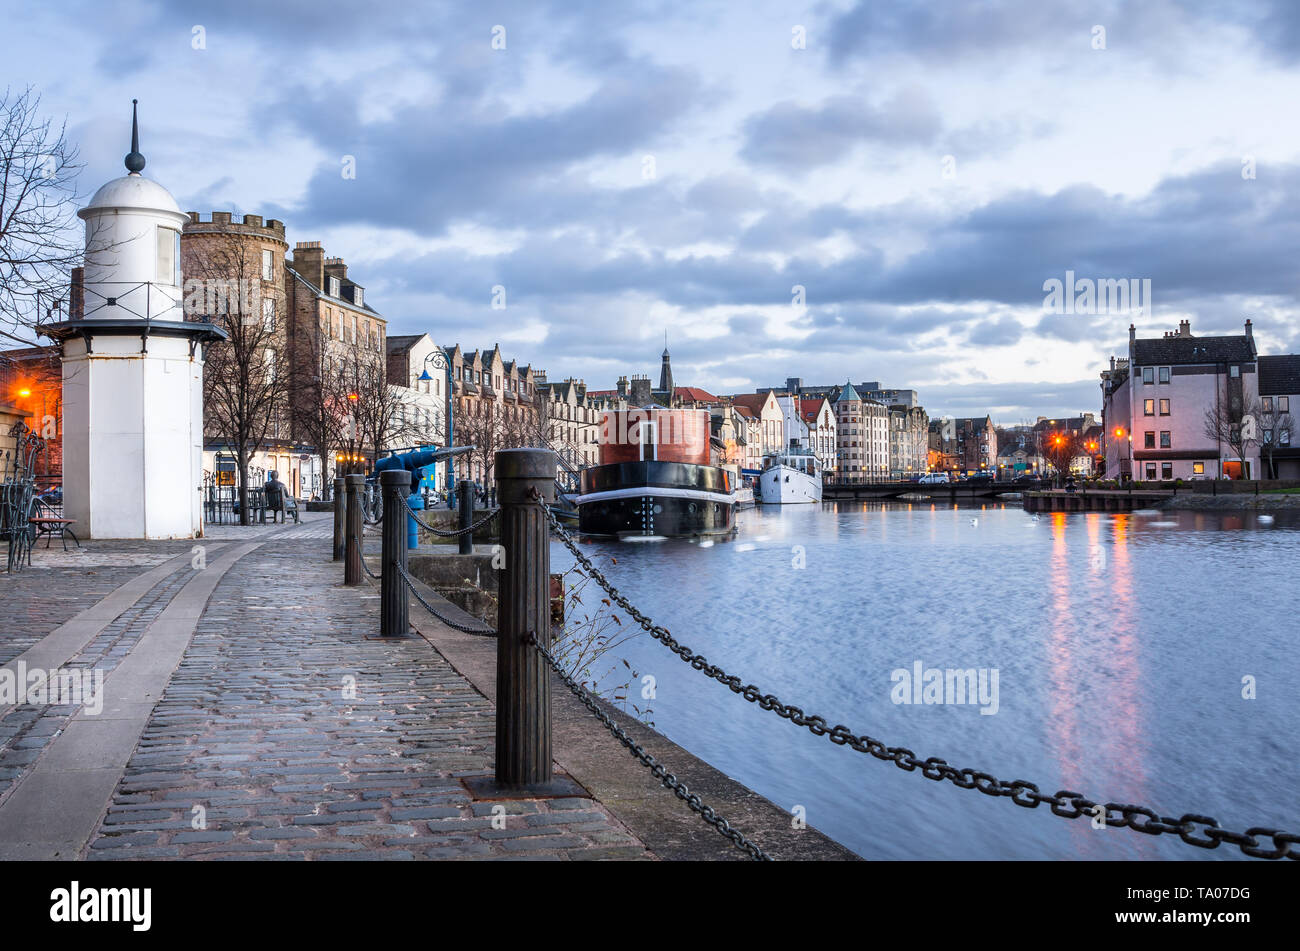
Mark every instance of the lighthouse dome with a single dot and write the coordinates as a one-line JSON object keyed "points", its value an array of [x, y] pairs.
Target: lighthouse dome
{"points": [[133, 192]]}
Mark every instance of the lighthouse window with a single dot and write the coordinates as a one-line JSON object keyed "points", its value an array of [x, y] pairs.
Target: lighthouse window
{"points": [[266, 265], [169, 256]]}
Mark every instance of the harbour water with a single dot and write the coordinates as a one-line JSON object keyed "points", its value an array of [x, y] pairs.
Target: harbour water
{"points": [[1120, 646]]}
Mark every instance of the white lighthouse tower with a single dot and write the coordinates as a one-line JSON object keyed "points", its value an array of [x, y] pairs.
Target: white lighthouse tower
{"points": [[132, 369]]}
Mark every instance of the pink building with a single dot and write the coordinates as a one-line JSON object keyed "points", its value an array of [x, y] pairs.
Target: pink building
{"points": [[1154, 405]]}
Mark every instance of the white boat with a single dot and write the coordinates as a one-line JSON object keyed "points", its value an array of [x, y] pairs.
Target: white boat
{"points": [[791, 476], [744, 495]]}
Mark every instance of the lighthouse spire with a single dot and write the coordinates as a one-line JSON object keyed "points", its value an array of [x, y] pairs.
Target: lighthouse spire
{"points": [[134, 160]]}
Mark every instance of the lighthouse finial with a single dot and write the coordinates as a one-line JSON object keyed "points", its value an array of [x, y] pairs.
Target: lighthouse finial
{"points": [[134, 160]]}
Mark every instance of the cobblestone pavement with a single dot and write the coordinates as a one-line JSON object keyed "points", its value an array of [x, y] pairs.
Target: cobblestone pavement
{"points": [[288, 733]]}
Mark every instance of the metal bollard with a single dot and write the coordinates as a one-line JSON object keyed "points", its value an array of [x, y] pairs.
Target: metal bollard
{"points": [[352, 563], [466, 520], [340, 518], [523, 741], [394, 620]]}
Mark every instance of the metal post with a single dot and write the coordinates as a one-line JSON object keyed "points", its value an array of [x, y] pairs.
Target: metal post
{"points": [[466, 519], [523, 747], [340, 518], [393, 604], [352, 563]]}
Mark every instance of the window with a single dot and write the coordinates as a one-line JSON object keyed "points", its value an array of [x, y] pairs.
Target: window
{"points": [[1151, 470], [1166, 470], [334, 287], [1148, 375], [356, 296], [268, 361], [1148, 407], [268, 314], [354, 330], [1149, 440], [1234, 371], [1268, 435], [1284, 404], [1284, 438], [169, 256], [1164, 374], [268, 260], [1165, 442], [1164, 407], [1268, 404], [1198, 468]]}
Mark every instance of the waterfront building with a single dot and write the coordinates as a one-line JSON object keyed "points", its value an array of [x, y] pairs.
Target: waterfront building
{"points": [[767, 410], [1155, 403], [909, 442], [861, 437], [494, 406], [31, 390], [967, 444], [1279, 397], [572, 420]]}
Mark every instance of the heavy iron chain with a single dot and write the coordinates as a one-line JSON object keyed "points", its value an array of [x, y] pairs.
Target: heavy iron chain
{"points": [[444, 533], [376, 506], [463, 628], [1065, 803], [656, 768]]}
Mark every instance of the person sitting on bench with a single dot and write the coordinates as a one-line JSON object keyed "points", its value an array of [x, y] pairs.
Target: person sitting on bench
{"points": [[275, 492]]}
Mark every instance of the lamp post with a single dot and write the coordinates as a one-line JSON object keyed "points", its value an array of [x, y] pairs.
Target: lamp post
{"points": [[439, 361]]}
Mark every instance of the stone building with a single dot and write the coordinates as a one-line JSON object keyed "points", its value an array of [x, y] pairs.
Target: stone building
{"points": [[494, 406], [861, 437], [572, 421], [909, 442], [417, 376]]}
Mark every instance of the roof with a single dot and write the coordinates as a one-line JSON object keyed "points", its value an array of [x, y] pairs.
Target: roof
{"points": [[754, 402], [1280, 375], [1175, 350], [694, 394], [133, 191], [402, 342], [847, 393], [319, 292], [745, 411]]}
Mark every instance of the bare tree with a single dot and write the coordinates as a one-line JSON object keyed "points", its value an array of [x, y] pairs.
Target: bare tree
{"points": [[1060, 449], [383, 420], [39, 238], [1274, 429], [320, 411], [1229, 423], [245, 377]]}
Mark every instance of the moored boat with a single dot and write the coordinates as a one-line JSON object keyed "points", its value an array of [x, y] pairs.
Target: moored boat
{"points": [[654, 478], [794, 475]]}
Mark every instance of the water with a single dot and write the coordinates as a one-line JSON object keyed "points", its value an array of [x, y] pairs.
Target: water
{"points": [[1120, 642]]}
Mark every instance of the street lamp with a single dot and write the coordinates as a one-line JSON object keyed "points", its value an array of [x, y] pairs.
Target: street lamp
{"points": [[438, 360]]}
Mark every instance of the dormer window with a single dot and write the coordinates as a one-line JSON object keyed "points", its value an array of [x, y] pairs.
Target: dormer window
{"points": [[356, 296], [334, 287]]}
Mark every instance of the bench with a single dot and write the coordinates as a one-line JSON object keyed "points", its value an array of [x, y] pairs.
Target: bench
{"points": [[290, 509], [46, 523]]}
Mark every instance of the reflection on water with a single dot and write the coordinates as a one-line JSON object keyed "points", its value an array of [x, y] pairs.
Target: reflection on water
{"points": [[1121, 642]]}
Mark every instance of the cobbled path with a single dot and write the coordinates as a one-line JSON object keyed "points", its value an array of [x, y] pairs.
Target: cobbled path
{"points": [[287, 733]]}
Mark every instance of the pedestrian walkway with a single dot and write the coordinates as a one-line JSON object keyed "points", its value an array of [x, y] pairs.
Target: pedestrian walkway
{"points": [[248, 712]]}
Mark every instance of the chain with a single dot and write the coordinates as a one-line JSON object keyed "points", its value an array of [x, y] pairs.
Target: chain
{"points": [[463, 628], [670, 781], [444, 533], [1066, 804]]}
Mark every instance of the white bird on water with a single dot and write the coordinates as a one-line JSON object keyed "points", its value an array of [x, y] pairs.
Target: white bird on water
{"points": [[975, 521], [1266, 520]]}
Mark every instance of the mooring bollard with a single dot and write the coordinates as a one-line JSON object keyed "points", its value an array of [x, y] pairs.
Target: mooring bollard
{"points": [[352, 563], [523, 748], [393, 605], [466, 520], [340, 518]]}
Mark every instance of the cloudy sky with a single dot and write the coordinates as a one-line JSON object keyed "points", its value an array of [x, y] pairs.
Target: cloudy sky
{"points": [[626, 169]]}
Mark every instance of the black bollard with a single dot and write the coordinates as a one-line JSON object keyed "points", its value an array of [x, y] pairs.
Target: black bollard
{"points": [[394, 618], [340, 518], [466, 520], [352, 563], [523, 741]]}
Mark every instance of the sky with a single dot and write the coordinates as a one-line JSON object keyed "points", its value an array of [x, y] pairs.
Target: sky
{"points": [[873, 190]]}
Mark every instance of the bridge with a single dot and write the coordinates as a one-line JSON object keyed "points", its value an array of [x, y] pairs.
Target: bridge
{"points": [[952, 491]]}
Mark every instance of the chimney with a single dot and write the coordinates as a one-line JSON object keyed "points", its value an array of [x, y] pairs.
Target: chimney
{"points": [[622, 387], [334, 267], [639, 391], [1250, 330], [308, 260], [1132, 340], [1184, 328]]}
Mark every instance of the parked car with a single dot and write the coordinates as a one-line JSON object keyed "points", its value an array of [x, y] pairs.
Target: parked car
{"points": [[932, 478], [979, 478]]}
